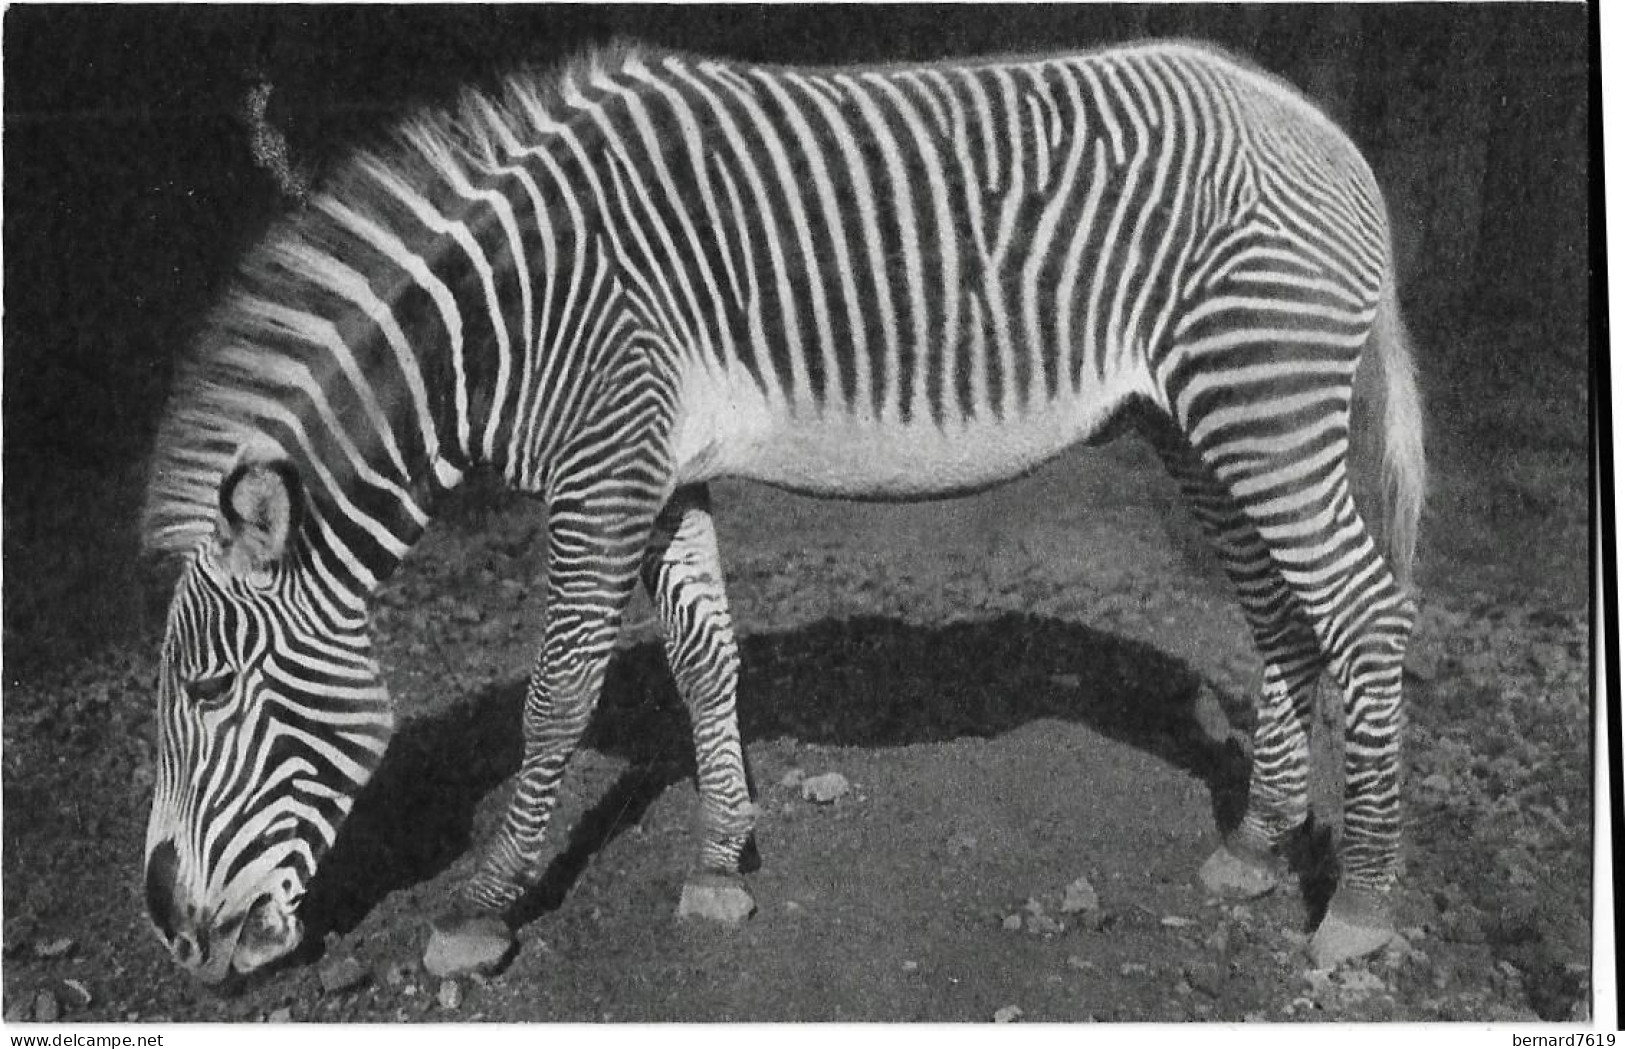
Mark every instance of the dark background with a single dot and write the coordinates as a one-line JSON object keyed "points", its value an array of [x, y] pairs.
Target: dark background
{"points": [[129, 188]]}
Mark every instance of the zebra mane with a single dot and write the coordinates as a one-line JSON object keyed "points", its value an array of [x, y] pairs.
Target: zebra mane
{"points": [[259, 350]]}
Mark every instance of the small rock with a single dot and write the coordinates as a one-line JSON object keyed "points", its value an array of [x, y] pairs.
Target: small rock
{"points": [[1012, 923], [1041, 924], [46, 1007], [1008, 1015], [397, 974], [825, 789], [792, 779], [1361, 983], [81, 993], [1174, 921], [57, 948], [450, 995], [464, 945], [280, 1016], [911, 966], [717, 898], [345, 974], [1205, 977], [1080, 896], [792, 907]]}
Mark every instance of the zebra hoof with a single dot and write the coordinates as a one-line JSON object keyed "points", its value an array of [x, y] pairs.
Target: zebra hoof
{"points": [[1236, 876], [1357, 923], [719, 898]]}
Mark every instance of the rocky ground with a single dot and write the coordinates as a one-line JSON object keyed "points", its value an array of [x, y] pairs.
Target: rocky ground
{"points": [[1034, 704]]}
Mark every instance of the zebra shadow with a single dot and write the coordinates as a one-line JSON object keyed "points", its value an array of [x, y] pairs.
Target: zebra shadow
{"points": [[861, 682]]}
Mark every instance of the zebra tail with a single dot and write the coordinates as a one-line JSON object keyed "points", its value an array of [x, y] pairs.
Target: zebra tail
{"points": [[1404, 461]]}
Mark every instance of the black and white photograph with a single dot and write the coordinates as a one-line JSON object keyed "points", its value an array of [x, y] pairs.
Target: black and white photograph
{"points": [[880, 513]]}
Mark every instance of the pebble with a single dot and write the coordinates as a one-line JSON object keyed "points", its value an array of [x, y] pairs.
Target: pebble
{"points": [[1080, 896], [345, 974], [55, 948], [46, 1007], [825, 789], [450, 995], [280, 1016], [1012, 923], [397, 974], [81, 993], [468, 945], [1008, 1015], [1205, 977], [716, 898]]}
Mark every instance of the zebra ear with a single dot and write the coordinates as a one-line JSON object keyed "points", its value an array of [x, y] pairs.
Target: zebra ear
{"points": [[260, 506]]}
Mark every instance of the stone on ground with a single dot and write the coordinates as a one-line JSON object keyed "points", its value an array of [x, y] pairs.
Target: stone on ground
{"points": [[1227, 875], [450, 994], [46, 1007], [825, 789], [467, 945], [343, 974], [717, 898], [1080, 896], [1008, 1014]]}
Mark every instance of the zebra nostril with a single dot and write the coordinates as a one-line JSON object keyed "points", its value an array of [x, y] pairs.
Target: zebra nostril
{"points": [[162, 864], [186, 949]]}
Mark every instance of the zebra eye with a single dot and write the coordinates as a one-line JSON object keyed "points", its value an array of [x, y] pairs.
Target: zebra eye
{"points": [[211, 691]]}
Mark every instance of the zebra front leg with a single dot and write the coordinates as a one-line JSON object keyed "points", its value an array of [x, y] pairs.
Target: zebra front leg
{"points": [[1247, 863], [682, 570], [595, 536]]}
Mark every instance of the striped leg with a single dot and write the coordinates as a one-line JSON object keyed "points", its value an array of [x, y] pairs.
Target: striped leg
{"points": [[608, 488], [1299, 501], [1278, 787], [683, 573]]}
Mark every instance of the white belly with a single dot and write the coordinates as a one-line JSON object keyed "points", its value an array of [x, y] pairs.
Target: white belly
{"points": [[730, 430]]}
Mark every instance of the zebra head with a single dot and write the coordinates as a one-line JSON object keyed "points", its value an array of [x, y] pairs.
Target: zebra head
{"points": [[271, 717]]}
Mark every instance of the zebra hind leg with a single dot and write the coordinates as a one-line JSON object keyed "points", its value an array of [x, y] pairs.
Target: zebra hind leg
{"points": [[682, 570], [1247, 863], [1298, 499]]}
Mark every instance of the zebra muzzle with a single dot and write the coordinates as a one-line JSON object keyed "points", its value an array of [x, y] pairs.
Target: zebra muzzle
{"points": [[269, 931]]}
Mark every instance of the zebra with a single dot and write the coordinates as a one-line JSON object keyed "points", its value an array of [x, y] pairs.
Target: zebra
{"points": [[615, 282]]}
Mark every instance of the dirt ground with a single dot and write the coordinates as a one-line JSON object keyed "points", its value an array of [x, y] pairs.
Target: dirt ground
{"points": [[1043, 683]]}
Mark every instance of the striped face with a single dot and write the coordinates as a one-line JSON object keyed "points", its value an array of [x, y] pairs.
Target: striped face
{"points": [[271, 717]]}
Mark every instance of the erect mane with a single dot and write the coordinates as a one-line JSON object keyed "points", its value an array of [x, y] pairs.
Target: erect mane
{"points": [[267, 346]]}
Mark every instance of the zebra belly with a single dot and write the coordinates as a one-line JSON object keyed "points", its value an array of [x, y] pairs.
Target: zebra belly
{"points": [[734, 432]]}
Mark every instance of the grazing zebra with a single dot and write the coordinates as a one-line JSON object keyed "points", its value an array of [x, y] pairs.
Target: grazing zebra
{"points": [[612, 284]]}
